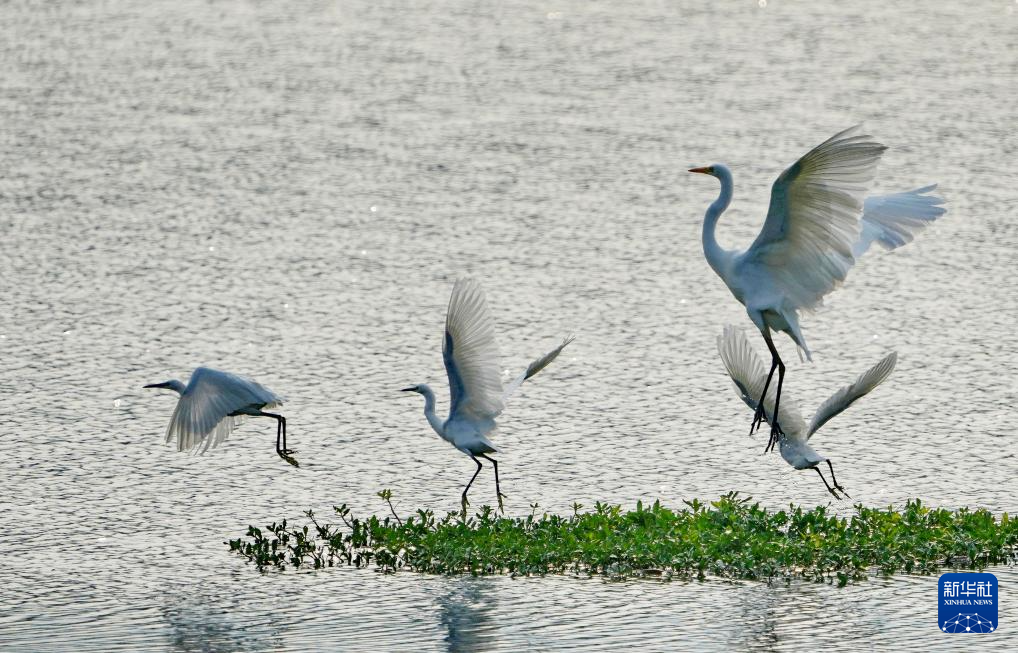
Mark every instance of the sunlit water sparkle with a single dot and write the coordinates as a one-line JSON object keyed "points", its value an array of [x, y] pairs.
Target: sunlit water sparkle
{"points": [[290, 193]]}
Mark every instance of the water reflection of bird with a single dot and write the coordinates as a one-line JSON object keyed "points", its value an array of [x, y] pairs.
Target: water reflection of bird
{"points": [[747, 371], [475, 386], [465, 611], [206, 616], [819, 222], [213, 404]]}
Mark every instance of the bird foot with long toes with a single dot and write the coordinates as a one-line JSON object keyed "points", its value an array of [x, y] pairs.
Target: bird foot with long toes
{"points": [[285, 455], [838, 487], [501, 496], [776, 434], [759, 417]]}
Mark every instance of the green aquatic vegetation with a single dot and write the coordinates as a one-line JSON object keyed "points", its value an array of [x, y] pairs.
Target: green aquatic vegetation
{"points": [[728, 538]]}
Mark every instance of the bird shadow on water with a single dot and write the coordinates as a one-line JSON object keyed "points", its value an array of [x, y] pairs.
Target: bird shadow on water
{"points": [[197, 621], [757, 609], [465, 612]]}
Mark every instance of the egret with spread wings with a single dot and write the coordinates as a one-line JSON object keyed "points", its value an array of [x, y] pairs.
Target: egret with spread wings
{"points": [[475, 386], [819, 222], [750, 377], [213, 404]]}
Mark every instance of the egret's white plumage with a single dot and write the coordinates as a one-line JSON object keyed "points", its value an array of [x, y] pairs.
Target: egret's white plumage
{"points": [[805, 247], [471, 361], [849, 394], [475, 386], [749, 375], [213, 404], [894, 220], [818, 223]]}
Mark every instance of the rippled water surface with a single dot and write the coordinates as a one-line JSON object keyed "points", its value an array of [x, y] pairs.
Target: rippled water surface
{"points": [[289, 190]]}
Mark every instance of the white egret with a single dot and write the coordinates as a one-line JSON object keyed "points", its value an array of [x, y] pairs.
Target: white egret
{"points": [[750, 377], [213, 404], [819, 222], [475, 386]]}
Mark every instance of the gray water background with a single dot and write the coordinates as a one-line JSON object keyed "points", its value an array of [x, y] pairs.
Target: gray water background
{"points": [[288, 190]]}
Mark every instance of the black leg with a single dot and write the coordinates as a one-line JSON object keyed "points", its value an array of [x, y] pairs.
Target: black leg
{"points": [[281, 449], [833, 478], [280, 431], [775, 427], [498, 490], [829, 488], [282, 423], [760, 416], [465, 502], [279, 435]]}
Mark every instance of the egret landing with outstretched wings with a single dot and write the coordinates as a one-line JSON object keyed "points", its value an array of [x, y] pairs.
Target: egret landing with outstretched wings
{"points": [[750, 378]]}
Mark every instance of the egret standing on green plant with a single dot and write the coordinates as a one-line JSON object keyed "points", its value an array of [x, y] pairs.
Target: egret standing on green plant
{"points": [[747, 371], [819, 222], [475, 386]]}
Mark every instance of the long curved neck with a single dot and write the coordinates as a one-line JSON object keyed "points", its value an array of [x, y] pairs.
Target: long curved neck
{"points": [[429, 410], [716, 255]]}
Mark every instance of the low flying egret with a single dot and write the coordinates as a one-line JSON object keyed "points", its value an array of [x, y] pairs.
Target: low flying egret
{"points": [[213, 404], [750, 377], [475, 386], [819, 222]]}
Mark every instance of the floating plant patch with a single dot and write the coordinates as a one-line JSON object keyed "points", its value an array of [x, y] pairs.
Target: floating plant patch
{"points": [[729, 538]]}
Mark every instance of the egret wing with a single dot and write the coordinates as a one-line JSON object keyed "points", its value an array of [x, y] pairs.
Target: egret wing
{"points": [[894, 220], [203, 416], [845, 397], [471, 355], [805, 246], [535, 367], [749, 374]]}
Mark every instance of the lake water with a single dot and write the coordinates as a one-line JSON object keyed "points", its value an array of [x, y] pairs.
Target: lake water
{"points": [[289, 191]]}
